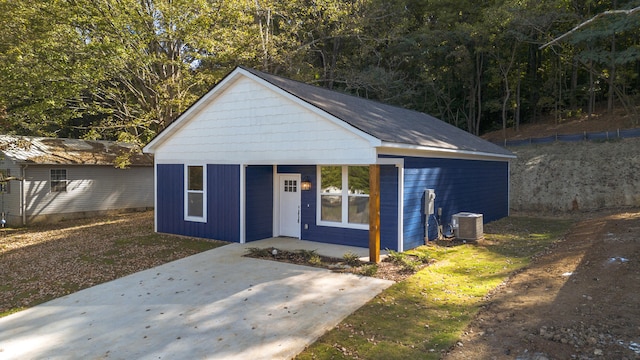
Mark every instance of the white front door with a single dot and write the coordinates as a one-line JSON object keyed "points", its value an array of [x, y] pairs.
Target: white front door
{"points": [[289, 205]]}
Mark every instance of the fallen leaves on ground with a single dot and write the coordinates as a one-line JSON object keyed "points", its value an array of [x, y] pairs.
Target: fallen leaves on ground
{"points": [[44, 262]]}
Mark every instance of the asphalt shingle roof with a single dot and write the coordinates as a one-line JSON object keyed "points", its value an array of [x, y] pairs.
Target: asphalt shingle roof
{"points": [[62, 151], [385, 122]]}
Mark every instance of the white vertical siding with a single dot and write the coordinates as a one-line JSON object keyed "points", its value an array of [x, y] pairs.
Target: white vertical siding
{"points": [[251, 123], [90, 188]]}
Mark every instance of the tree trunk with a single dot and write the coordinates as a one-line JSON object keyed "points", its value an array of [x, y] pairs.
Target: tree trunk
{"points": [[592, 94], [574, 86], [533, 82], [517, 112], [479, 66], [612, 76], [612, 70]]}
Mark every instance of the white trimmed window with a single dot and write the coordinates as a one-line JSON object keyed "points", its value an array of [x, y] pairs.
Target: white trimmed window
{"points": [[59, 180], [343, 198], [195, 204]]}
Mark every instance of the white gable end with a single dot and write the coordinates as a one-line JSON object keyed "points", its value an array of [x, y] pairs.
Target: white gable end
{"points": [[251, 123]]}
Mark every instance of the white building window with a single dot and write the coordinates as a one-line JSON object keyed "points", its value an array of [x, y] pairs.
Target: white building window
{"points": [[195, 205], [59, 180], [344, 196]]}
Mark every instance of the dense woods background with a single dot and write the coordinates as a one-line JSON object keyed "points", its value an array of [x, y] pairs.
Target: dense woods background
{"points": [[124, 69]]}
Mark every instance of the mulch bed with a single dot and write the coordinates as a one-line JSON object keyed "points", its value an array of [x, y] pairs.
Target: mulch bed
{"points": [[387, 269]]}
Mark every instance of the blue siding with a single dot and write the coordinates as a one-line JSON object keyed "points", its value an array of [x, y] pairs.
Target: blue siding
{"points": [[460, 185], [324, 234], [170, 198], [259, 202], [388, 207], [223, 203]]}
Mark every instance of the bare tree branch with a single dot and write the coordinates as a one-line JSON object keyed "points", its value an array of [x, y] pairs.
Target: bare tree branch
{"points": [[587, 22]]}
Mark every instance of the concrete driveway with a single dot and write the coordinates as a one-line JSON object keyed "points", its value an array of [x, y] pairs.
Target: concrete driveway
{"points": [[213, 305]]}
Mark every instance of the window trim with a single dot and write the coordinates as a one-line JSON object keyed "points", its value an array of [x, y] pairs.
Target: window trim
{"points": [[345, 200], [186, 193], [66, 181]]}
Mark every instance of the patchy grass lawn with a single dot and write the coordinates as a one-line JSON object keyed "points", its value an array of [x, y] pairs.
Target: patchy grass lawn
{"points": [[44, 262], [425, 315]]}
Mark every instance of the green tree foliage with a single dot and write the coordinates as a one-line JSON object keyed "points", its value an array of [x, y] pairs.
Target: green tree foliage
{"points": [[124, 69], [116, 68]]}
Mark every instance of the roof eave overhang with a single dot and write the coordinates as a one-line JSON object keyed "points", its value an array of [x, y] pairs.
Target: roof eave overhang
{"points": [[391, 148]]}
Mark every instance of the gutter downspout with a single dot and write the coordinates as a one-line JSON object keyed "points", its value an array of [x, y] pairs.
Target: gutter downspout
{"points": [[23, 194]]}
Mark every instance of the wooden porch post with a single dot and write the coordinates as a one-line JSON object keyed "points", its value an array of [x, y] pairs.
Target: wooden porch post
{"points": [[374, 213]]}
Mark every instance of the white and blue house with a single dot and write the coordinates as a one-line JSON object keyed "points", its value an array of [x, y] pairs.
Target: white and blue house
{"points": [[262, 156]]}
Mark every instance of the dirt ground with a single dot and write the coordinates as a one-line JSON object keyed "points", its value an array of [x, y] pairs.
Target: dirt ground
{"points": [[43, 262], [579, 300], [575, 125]]}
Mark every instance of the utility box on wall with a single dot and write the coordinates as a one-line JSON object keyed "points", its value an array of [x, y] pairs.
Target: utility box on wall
{"points": [[467, 226]]}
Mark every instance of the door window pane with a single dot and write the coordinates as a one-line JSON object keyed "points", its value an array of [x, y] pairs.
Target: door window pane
{"points": [[290, 185]]}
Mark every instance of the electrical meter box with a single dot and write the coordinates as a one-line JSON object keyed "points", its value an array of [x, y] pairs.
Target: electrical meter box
{"points": [[429, 201], [467, 226]]}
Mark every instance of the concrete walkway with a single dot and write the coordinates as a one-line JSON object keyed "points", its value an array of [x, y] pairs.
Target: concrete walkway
{"points": [[213, 305]]}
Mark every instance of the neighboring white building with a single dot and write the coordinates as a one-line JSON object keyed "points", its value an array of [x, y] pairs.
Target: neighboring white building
{"points": [[68, 178]]}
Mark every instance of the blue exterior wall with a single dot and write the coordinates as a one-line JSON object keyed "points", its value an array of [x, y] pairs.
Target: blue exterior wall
{"points": [[460, 185], [223, 206], [259, 202], [388, 207], [223, 203], [342, 236]]}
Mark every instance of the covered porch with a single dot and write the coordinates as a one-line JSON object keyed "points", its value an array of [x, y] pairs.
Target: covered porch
{"points": [[328, 204]]}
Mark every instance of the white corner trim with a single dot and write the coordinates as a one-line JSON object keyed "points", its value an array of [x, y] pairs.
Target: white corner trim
{"points": [[155, 197], [243, 204], [276, 203]]}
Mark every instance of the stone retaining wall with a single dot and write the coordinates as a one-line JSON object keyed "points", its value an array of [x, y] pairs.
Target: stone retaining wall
{"points": [[586, 176]]}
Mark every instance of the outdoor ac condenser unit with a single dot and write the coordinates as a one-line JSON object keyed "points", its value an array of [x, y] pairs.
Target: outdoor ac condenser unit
{"points": [[467, 226]]}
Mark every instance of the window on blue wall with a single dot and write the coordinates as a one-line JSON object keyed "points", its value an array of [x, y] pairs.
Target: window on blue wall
{"points": [[358, 180], [195, 204], [344, 196], [331, 193]]}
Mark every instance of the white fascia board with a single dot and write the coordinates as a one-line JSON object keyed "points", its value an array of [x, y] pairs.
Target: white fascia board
{"points": [[388, 148], [374, 141], [397, 162], [193, 110]]}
